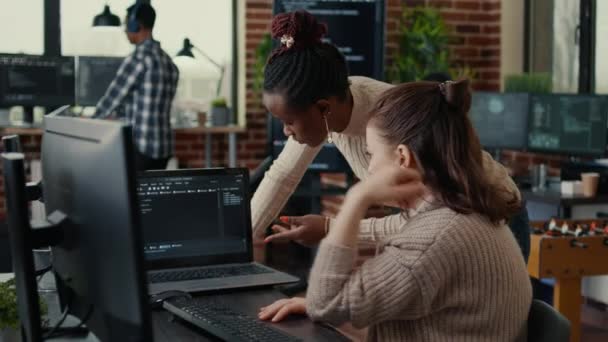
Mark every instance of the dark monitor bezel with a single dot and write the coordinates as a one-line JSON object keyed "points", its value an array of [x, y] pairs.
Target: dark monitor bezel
{"points": [[96, 131], [526, 125], [49, 101], [247, 256], [21, 237], [567, 152]]}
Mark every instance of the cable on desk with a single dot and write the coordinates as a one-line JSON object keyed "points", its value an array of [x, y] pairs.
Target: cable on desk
{"points": [[58, 331], [53, 330]]}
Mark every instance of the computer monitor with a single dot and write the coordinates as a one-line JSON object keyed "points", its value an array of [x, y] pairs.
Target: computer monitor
{"points": [[93, 77], [356, 27], [95, 231], [329, 159], [500, 119], [21, 242], [28, 80], [568, 124]]}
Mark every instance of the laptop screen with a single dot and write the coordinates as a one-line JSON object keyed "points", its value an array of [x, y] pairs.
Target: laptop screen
{"points": [[195, 217]]}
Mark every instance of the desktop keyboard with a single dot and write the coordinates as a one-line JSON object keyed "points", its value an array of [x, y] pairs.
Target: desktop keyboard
{"points": [[223, 322], [205, 273]]}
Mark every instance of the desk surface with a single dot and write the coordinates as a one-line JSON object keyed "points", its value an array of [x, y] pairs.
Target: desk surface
{"points": [[554, 197], [167, 329], [190, 130], [210, 130], [287, 257]]}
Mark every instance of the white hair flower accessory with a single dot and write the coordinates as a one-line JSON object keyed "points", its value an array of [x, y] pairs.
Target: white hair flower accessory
{"points": [[287, 40]]}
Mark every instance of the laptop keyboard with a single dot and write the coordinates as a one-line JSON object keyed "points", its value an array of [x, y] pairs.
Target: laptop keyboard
{"points": [[206, 273], [221, 321]]}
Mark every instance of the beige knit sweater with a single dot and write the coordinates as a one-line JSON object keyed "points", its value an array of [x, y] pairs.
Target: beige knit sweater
{"points": [[443, 277], [287, 170]]}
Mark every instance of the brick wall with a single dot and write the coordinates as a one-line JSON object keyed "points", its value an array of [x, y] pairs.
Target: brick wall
{"points": [[475, 41]]}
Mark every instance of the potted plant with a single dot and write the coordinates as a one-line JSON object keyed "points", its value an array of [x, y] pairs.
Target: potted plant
{"points": [[9, 317], [220, 113], [423, 48]]}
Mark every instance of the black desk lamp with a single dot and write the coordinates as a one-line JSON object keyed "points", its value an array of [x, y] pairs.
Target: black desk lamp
{"points": [[186, 51], [106, 18]]}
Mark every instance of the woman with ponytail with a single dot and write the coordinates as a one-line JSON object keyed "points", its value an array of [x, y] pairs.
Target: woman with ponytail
{"points": [[306, 86], [453, 271]]}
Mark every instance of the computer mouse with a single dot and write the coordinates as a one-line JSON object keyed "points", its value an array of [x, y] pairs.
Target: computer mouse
{"points": [[156, 300]]}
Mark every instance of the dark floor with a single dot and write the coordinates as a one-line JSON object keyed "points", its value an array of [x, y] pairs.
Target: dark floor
{"points": [[594, 323]]}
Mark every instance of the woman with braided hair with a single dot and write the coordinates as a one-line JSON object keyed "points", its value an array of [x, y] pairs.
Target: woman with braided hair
{"points": [[307, 87]]}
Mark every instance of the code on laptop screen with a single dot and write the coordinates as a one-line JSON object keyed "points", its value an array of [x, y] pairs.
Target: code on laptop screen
{"points": [[193, 216]]}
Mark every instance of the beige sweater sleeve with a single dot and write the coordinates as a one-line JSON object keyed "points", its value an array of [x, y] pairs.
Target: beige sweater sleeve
{"points": [[279, 183], [380, 289], [376, 229]]}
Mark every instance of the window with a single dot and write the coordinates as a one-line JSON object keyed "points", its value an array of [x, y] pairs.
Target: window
{"points": [[79, 37], [22, 27], [601, 48], [553, 41]]}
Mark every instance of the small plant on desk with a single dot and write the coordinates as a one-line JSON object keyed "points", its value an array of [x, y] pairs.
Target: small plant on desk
{"points": [[9, 316], [220, 113]]}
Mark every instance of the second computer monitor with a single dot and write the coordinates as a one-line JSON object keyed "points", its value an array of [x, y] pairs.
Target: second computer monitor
{"points": [[28, 80], [568, 124], [93, 77], [500, 119]]}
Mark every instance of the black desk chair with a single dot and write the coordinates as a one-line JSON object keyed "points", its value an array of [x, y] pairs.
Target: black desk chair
{"points": [[520, 226], [545, 324]]}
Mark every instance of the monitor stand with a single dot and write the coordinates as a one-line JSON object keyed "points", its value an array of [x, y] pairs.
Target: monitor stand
{"points": [[24, 237]]}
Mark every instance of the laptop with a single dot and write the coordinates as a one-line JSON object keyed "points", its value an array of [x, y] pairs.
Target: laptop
{"points": [[197, 231]]}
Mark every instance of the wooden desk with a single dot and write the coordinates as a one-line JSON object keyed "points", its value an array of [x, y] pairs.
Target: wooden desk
{"points": [[21, 131], [231, 131], [560, 258]]}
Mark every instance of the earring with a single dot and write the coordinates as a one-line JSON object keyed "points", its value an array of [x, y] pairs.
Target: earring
{"points": [[329, 139]]}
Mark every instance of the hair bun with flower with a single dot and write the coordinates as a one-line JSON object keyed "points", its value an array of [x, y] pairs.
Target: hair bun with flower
{"points": [[296, 30]]}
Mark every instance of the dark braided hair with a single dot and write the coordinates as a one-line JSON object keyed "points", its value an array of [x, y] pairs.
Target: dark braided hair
{"points": [[309, 69]]}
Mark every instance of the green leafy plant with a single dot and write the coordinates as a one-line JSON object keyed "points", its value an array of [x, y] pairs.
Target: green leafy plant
{"points": [[463, 72], [529, 83], [262, 52], [423, 45], [219, 102], [9, 317], [423, 48]]}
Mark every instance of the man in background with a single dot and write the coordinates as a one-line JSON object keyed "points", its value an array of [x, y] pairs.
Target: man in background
{"points": [[143, 90]]}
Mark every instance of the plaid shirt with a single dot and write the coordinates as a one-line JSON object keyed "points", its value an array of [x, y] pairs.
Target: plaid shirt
{"points": [[144, 87]]}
